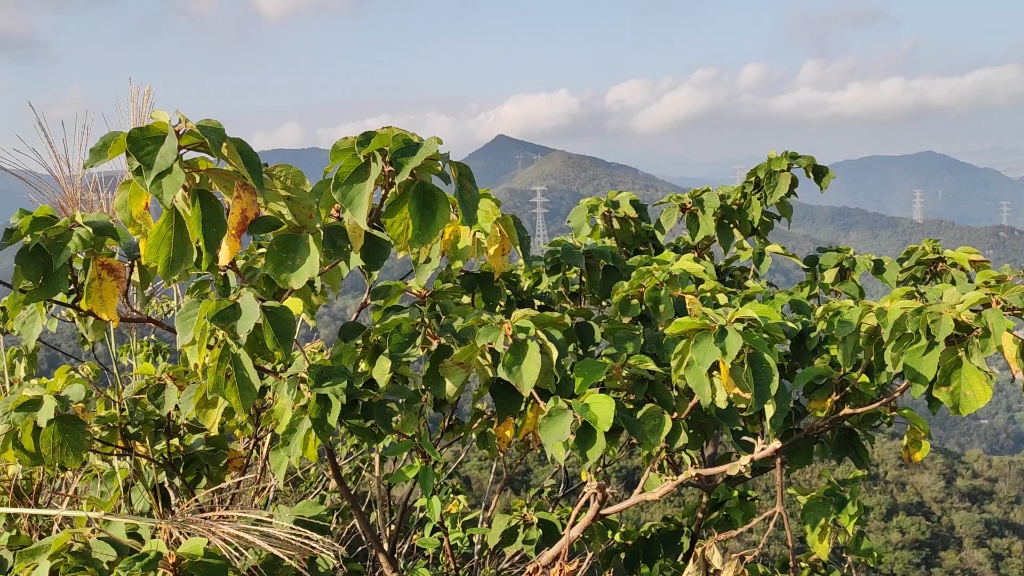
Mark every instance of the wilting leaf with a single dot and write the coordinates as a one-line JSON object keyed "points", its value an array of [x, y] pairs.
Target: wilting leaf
{"points": [[103, 288], [504, 433], [244, 209]]}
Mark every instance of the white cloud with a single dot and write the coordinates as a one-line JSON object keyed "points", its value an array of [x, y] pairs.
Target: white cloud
{"points": [[290, 135], [522, 115], [277, 10], [754, 96]]}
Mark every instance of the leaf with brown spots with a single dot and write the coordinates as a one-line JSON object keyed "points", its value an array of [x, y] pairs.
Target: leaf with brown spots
{"points": [[244, 209], [106, 282]]}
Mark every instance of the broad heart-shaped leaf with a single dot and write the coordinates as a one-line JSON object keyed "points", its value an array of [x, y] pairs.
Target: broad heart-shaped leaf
{"points": [[588, 372], [292, 259], [65, 441], [415, 217], [153, 148], [649, 428], [598, 409], [521, 365], [109, 146], [962, 386], [353, 186], [278, 326], [243, 158], [170, 245], [589, 443], [554, 428], [409, 156], [104, 287], [467, 194]]}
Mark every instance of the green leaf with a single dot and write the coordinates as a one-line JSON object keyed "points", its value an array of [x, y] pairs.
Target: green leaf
{"points": [[590, 443], [521, 365], [554, 428], [467, 194], [185, 321], [962, 386], [417, 215], [143, 563], [153, 148], [170, 245], [65, 441], [292, 260], [210, 221], [353, 186], [588, 372], [109, 146], [599, 410], [243, 158], [409, 157]]}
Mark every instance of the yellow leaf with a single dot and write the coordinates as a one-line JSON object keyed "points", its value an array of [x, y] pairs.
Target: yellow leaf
{"points": [[530, 424], [236, 461], [103, 288], [915, 446], [504, 432], [244, 209], [728, 383], [454, 507], [1011, 351], [583, 475], [819, 406], [83, 412], [499, 246]]}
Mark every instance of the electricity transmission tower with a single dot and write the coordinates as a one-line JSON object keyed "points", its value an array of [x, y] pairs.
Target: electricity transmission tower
{"points": [[519, 160], [741, 173], [1004, 211], [536, 158], [540, 229], [918, 206]]}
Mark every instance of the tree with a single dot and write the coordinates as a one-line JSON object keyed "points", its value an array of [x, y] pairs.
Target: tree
{"points": [[647, 357]]}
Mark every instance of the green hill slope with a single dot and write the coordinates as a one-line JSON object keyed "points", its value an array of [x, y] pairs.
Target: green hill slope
{"points": [[495, 163], [570, 178]]}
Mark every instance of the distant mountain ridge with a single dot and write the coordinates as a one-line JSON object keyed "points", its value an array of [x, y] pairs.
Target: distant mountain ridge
{"points": [[498, 161], [953, 190]]}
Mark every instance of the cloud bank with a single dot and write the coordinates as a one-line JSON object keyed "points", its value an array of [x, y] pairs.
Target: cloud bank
{"points": [[821, 90]]}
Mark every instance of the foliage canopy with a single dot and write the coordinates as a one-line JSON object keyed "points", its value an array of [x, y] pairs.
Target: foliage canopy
{"points": [[645, 354]]}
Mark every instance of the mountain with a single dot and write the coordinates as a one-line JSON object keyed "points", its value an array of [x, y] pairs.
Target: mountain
{"points": [[311, 161], [876, 233], [13, 195], [953, 190], [570, 178], [495, 163]]}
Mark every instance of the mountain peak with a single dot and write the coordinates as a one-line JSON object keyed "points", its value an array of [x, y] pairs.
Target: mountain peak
{"points": [[497, 161]]}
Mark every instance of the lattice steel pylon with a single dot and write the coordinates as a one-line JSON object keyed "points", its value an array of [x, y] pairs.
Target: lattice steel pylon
{"points": [[540, 229], [520, 156], [1004, 211], [919, 206]]}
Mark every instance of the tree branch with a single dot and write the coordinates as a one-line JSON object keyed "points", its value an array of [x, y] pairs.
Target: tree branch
{"points": [[388, 562]]}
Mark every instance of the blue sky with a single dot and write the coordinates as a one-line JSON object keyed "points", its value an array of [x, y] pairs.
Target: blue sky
{"points": [[649, 82]]}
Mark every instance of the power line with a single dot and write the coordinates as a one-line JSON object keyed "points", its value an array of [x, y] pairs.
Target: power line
{"points": [[540, 228], [1004, 210], [919, 206]]}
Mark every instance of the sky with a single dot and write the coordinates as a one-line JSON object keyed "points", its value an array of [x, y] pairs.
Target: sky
{"points": [[653, 83]]}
